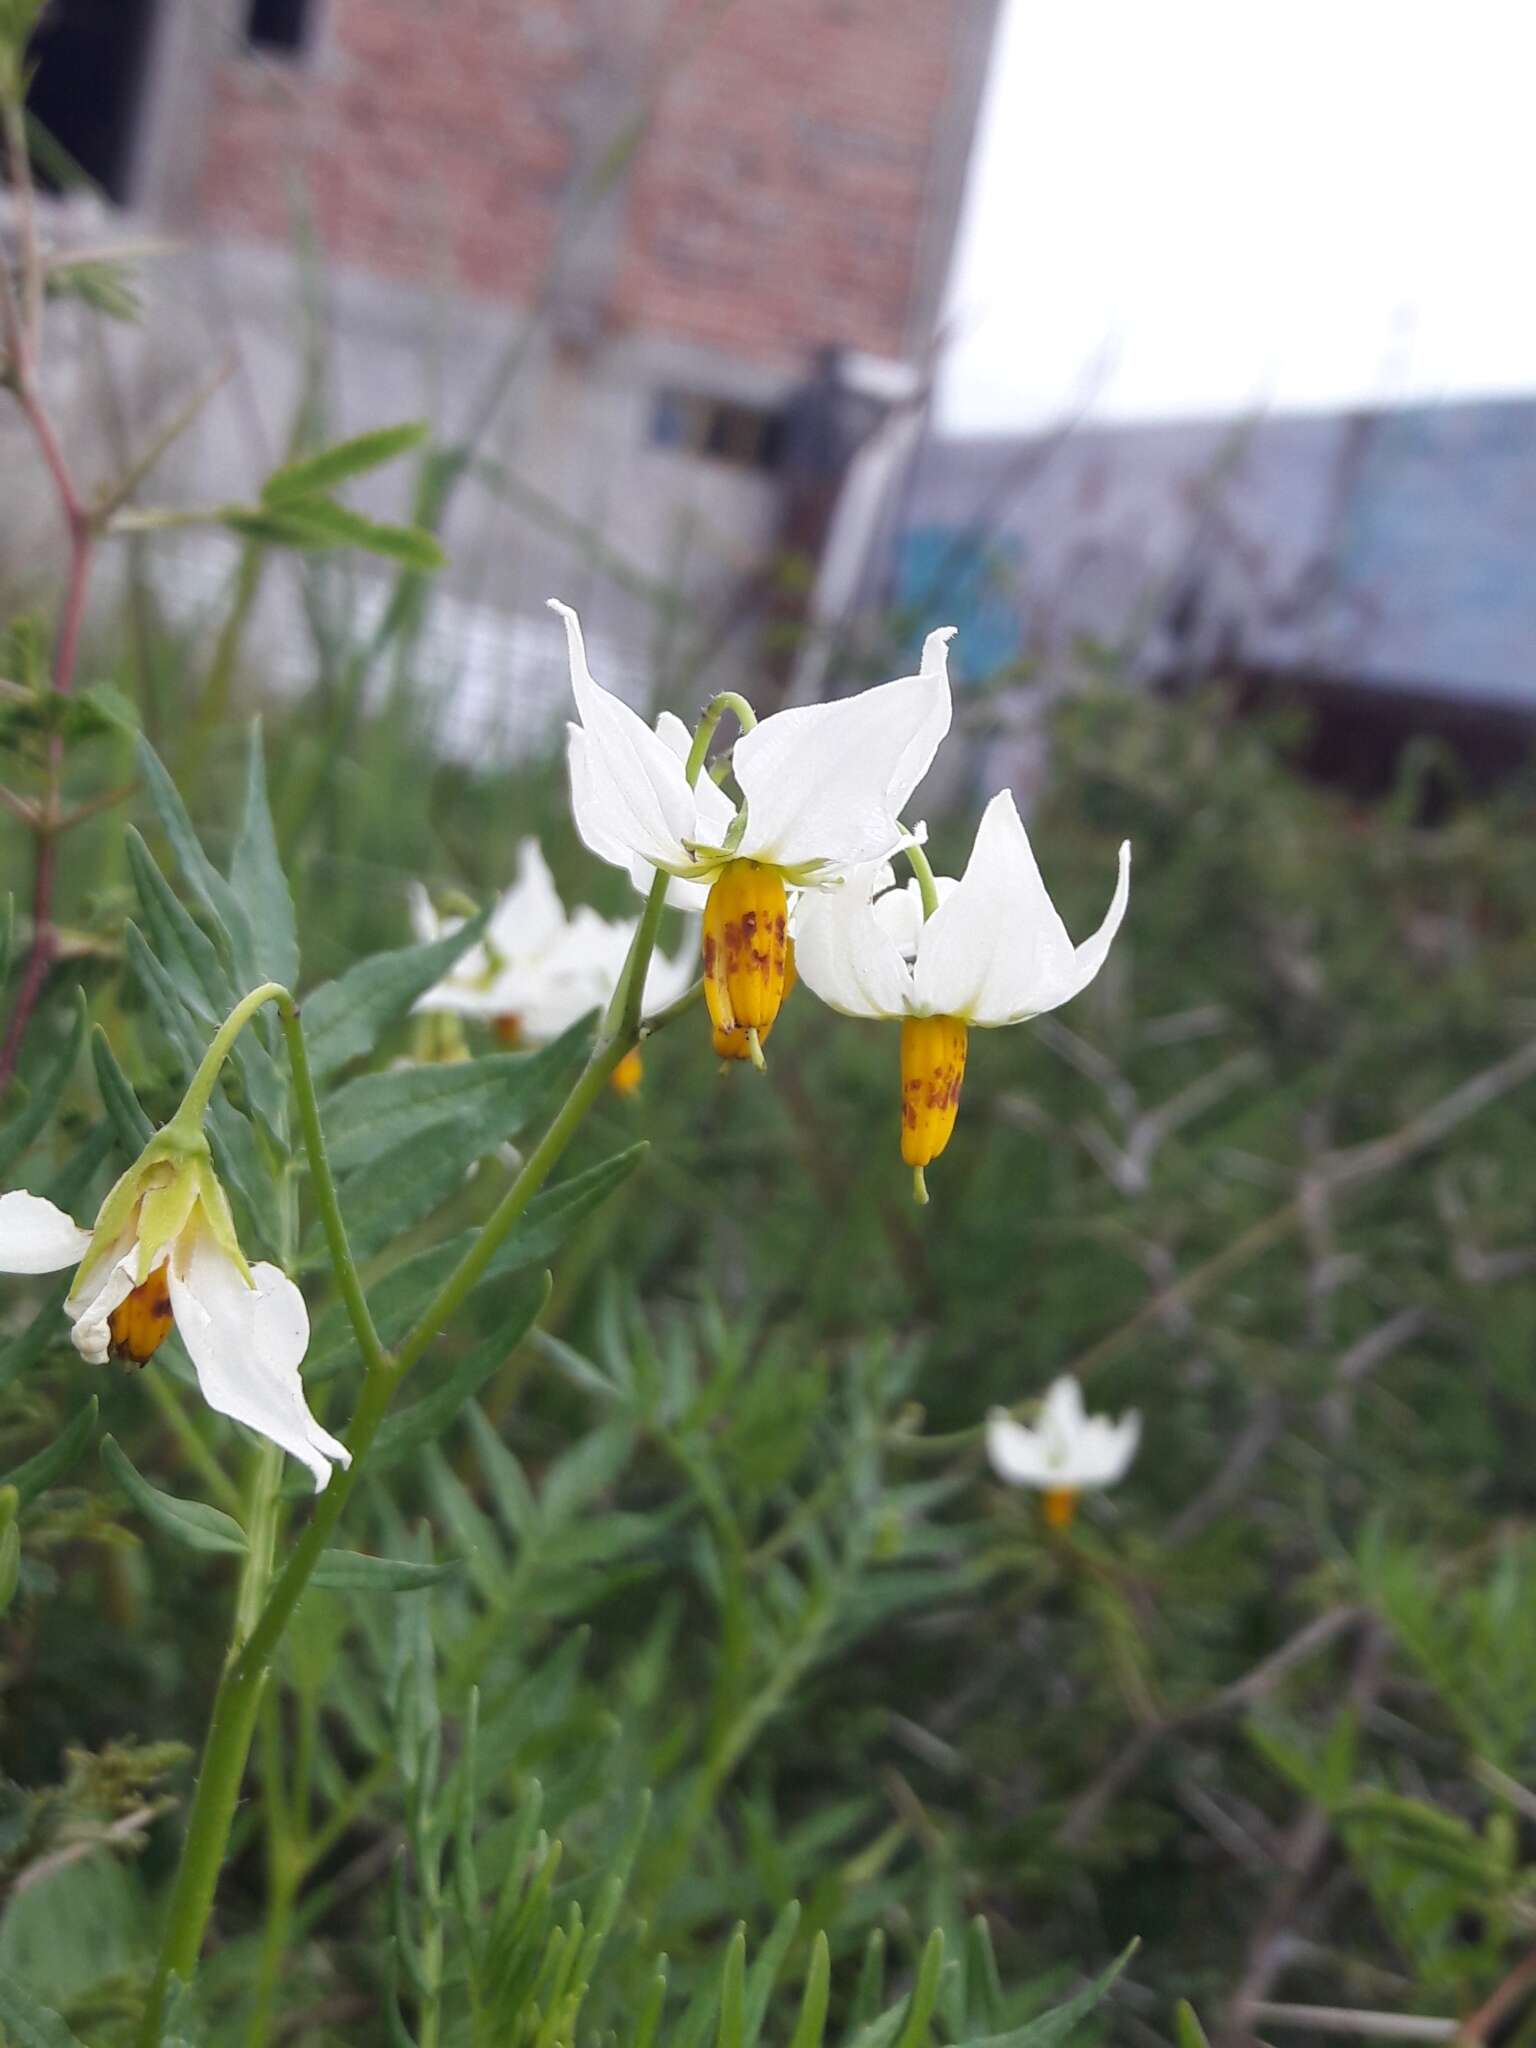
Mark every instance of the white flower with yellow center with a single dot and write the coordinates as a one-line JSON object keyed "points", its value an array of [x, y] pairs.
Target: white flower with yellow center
{"points": [[822, 790], [539, 969], [164, 1253], [1066, 1454], [993, 952]]}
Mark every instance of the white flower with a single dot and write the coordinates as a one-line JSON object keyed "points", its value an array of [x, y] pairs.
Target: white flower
{"points": [[994, 952], [164, 1252], [823, 785], [1067, 1452], [538, 970], [822, 791]]}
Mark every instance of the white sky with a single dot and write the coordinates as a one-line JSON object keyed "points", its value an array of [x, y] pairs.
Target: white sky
{"points": [[1184, 206]]}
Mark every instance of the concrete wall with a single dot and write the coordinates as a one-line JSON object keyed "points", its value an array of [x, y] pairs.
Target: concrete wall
{"points": [[1394, 547]]}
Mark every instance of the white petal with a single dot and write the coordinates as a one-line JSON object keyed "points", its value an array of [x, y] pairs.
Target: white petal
{"points": [[996, 952], [845, 956], [633, 789], [827, 782], [246, 1344], [1062, 1414], [674, 735], [90, 1302], [1016, 1453], [494, 998], [530, 915], [594, 822], [35, 1237], [1093, 952], [900, 911], [426, 925]]}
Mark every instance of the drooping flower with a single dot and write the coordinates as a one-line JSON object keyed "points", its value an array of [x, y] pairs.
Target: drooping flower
{"points": [[994, 952], [822, 790], [538, 969], [164, 1253], [1066, 1453]]}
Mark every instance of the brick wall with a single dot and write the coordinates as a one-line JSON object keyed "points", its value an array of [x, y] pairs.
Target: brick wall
{"points": [[775, 200]]}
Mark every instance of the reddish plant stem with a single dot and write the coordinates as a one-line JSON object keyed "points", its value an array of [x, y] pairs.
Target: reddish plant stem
{"points": [[66, 655]]}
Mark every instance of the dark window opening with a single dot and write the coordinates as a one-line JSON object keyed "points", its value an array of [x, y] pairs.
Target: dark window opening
{"points": [[725, 429], [88, 66], [280, 26]]}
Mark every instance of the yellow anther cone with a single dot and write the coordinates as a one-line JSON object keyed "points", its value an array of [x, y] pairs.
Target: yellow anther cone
{"points": [[141, 1322], [932, 1069], [746, 949], [1060, 1505]]}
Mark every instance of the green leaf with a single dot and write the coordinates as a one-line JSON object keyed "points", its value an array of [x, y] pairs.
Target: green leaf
{"points": [[257, 878], [730, 2031], [494, 1097], [160, 991], [870, 1992], [132, 1127], [649, 2019], [345, 459], [23, 1351], [191, 1522], [354, 1571], [216, 899], [1187, 2030], [187, 954], [434, 1414], [316, 525], [28, 2024], [400, 1190], [1047, 2029], [193, 968], [343, 1019], [402, 1294], [10, 1563], [511, 1495], [18, 1134], [925, 1992], [811, 2026], [102, 709], [49, 1466], [766, 1966], [104, 287]]}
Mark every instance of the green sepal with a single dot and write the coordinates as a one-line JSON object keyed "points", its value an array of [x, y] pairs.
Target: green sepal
{"points": [[158, 1169], [217, 1216], [165, 1211]]}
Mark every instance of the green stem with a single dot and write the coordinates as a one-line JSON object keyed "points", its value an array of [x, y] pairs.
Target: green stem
{"points": [[714, 711], [623, 1018], [285, 1864], [659, 1019], [343, 1264], [928, 888], [194, 1104]]}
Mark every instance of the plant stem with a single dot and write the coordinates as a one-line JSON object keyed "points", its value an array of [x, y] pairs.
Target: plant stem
{"points": [[23, 319], [928, 888], [714, 711], [343, 1265], [194, 1104], [237, 1701]]}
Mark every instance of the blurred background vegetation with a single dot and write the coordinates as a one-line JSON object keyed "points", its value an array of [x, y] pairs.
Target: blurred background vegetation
{"points": [[1267, 1708]]}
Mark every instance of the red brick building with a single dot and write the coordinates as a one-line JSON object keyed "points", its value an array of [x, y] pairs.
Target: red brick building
{"points": [[664, 206]]}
